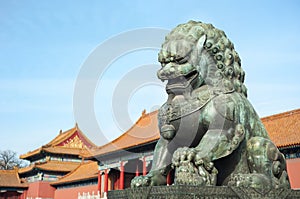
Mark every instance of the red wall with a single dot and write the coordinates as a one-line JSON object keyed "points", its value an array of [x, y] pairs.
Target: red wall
{"points": [[40, 189], [10, 195], [293, 167], [72, 193]]}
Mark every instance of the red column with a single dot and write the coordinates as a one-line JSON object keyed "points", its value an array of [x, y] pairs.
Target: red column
{"points": [[169, 178], [144, 166], [121, 176], [106, 181], [137, 173], [24, 195], [99, 181]]}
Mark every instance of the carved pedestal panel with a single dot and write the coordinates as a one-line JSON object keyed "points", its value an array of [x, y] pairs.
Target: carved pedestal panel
{"points": [[209, 192]]}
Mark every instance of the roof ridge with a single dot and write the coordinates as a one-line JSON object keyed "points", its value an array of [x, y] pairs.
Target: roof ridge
{"points": [[58, 139], [62, 136], [123, 134], [281, 115], [152, 112], [84, 136], [49, 144]]}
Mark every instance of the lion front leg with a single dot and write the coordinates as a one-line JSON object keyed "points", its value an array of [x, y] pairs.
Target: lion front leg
{"points": [[218, 143], [160, 167]]}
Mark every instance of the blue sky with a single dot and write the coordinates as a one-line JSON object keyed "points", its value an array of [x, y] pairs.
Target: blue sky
{"points": [[43, 45]]}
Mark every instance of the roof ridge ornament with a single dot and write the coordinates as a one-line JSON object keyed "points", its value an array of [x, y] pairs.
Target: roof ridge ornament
{"points": [[144, 112]]}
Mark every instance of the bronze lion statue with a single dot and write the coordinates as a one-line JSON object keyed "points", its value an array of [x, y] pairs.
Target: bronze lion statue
{"points": [[210, 133]]}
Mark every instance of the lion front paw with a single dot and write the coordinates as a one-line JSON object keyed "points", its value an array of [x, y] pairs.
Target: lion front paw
{"points": [[182, 155], [141, 181], [192, 169], [153, 178]]}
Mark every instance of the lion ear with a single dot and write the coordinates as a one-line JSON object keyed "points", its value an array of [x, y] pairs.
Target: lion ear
{"points": [[200, 42]]}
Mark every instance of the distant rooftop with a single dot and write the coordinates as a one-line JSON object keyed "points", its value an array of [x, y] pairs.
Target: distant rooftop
{"points": [[10, 178], [284, 128], [71, 142], [51, 165], [84, 171], [145, 130]]}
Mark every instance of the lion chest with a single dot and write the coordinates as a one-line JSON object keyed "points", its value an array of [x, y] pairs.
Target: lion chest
{"points": [[183, 115]]}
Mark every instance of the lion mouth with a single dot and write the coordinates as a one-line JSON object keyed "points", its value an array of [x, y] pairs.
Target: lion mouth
{"points": [[181, 83]]}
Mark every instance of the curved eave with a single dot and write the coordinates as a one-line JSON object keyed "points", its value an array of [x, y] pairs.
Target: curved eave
{"points": [[31, 154], [140, 145], [116, 149], [74, 181], [289, 146], [26, 169], [64, 150], [54, 166]]}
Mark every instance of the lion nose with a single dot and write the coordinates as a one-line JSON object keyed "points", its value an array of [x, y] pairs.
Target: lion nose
{"points": [[166, 72], [161, 75]]}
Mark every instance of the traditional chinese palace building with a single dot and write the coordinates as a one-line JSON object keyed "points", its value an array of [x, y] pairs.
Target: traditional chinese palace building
{"points": [[70, 165]]}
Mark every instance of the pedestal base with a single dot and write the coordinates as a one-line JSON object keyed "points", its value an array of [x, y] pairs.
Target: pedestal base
{"points": [[192, 192]]}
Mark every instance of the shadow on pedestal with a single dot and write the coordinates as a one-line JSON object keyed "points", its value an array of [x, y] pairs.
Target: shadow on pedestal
{"points": [[209, 192]]}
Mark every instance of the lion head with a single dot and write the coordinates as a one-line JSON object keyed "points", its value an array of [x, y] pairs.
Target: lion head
{"points": [[196, 54]]}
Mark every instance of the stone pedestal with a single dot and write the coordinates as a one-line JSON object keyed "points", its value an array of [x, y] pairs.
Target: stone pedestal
{"points": [[192, 192]]}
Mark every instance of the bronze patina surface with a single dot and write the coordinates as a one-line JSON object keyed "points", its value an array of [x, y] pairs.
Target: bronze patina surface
{"points": [[210, 133]]}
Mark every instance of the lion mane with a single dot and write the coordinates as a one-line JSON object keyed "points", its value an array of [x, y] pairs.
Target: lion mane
{"points": [[226, 71]]}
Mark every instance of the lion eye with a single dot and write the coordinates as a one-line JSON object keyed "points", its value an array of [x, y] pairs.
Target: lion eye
{"points": [[182, 60]]}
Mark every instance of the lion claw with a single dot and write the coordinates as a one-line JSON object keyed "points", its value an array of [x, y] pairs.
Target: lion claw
{"points": [[140, 181]]}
